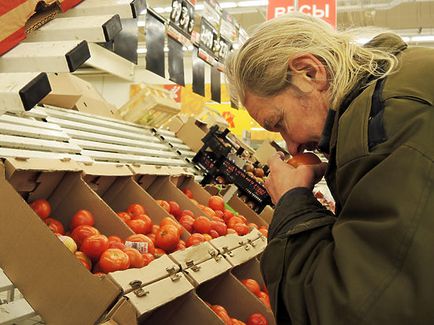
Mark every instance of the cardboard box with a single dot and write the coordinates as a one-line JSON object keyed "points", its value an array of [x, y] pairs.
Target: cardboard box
{"points": [[52, 280], [267, 214], [191, 133], [228, 292], [266, 150], [161, 188], [186, 310], [242, 208], [15, 15], [201, 262], [122, 313], [69, 91]]}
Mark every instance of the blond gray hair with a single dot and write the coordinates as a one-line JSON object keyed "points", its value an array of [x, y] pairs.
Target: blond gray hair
{"points": [[260, 66]]}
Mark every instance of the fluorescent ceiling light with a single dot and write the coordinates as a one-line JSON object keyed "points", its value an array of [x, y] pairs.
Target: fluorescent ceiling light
{"points": [[226, 5], [199, 6], [257, 129], [422, 38], [254, 3]]}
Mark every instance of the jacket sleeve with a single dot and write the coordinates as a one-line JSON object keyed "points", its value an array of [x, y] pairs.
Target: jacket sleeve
{"points": [[374, 262]]}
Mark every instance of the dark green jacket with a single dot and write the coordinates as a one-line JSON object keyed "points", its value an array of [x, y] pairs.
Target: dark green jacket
{"points": [[372, 263]]}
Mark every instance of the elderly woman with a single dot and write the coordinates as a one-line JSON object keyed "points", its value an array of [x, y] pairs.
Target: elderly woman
{"points": [[369, 109]]}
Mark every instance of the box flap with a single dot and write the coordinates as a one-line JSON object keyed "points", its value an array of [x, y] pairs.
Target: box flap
{"points": [[158, 269], [194, 255], [267, 214], [208, 270], [64, 92], [246, 252], [138, 169], [159, 293], [227, 243], [106, 169], [186, 310], [122, 313], [36, 164], [191, 135]]}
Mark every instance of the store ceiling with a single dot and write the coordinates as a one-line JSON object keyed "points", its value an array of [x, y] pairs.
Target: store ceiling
{"points": [[406, 17]]}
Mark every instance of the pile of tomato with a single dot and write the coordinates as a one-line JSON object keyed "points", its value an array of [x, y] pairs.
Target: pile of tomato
{"points": [[221, 312], [262, 294]]}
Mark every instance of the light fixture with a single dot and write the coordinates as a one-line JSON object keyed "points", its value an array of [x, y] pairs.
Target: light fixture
{"points": [[253, 3], [227, 5], [422, 38]]}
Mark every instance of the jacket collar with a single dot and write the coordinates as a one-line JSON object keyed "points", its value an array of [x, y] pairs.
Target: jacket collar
{"points": [[389, 41]]}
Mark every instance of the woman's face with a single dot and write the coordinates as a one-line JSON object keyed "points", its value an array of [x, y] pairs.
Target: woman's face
{"points": [[298, 117]]}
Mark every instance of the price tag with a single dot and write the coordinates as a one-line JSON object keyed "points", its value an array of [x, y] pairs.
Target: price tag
{"points": [[224, 48], [208, 37], [182, 15]]}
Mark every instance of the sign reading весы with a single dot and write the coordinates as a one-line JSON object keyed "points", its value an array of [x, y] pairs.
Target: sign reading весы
{"points": [[324, 9]]}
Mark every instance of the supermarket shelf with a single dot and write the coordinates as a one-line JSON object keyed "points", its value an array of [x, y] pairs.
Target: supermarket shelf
{"points": [[92, 29], [21, 91], [125, 8], [58, 56]]}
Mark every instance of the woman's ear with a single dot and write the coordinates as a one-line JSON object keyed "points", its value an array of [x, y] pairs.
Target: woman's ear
{"points": [[308, 73]]}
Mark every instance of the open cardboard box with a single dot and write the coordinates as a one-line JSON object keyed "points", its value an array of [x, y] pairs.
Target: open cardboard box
{"points": [[52, 280], [161, 188], [118, 189], [250, 270], [202, 196], [227, 291], [201, 262], [191, 133], [185, 310]]}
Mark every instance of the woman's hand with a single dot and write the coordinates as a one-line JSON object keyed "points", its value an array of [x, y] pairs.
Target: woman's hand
{"points": [[283, 177]]}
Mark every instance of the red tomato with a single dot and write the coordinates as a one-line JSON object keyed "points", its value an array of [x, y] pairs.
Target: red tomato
{"points": [[209, 211], [55, 225], [305, 158], [237, 322], [252, 285], [152, 237], [84, 257], [187, 222], [213, 233], [147, 258], [257, 319], [233, 221], [207, 237], [82, 217], [124, 216], [220, 227], [264, 232], [195, 239], [148, 222], [137, 225], [252, 225], [231, 231], [202, 225], [116, 244], [82, 232], [175, 209], [155, 228], [216, 203], [112, 260], [148, 246], [170, 221], [188, 193], [164, 204], [241, 229], [167, 238], [265, 299], [85, 264], [159, 252], [94, 246], [222, 314], [187, 212], [135, 257], [41, 207], [136, 209], [227, 215], [181, 245], [243, 218], [219, 214], [115, 238]]}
